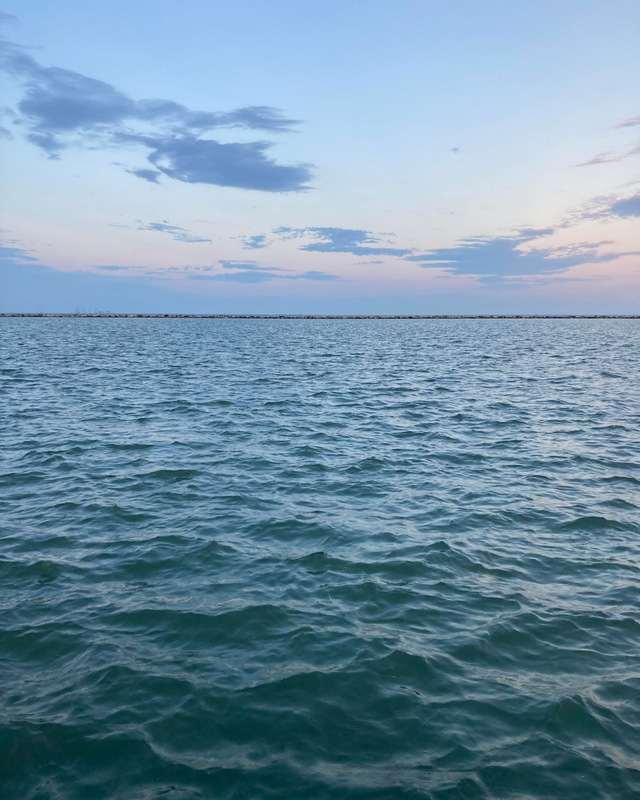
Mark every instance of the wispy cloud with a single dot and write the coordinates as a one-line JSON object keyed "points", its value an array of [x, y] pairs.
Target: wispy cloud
{"points": [[255, 274], [340, 240], [244, 276], [609, 157], [605, 207], [253, 265], [254, 242], [234, 272], [252, 272], [61, 108], [632, 122], [16, 254], [150, 175], [117, 267], [626, 207], [178, 233], [601, 158], [315, 275], [497, 257]]}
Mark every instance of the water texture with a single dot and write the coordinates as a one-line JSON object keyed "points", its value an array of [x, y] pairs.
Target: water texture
{"points": [[319, 559]]}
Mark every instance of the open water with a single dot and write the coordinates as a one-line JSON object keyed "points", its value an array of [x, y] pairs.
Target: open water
{"points": [[319, 559]]}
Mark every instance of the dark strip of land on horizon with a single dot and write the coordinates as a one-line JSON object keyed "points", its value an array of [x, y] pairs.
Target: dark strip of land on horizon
{"points": [[107, 315]]}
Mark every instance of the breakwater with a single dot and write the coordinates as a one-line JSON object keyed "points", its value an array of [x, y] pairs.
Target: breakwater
{"points": [[319, 316]]}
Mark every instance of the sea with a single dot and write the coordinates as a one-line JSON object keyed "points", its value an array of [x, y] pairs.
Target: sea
{"points": [[319, 559]]}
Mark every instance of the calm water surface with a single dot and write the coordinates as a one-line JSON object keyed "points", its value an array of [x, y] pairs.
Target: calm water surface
{"points": [[319, 559]]}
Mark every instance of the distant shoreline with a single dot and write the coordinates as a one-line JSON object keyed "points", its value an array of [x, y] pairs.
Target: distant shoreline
{"points": [[26, 315]]}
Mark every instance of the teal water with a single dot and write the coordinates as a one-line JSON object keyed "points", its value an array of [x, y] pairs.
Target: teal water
{"points": [[319, 559]]}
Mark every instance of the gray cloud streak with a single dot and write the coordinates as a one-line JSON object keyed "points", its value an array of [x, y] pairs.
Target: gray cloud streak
{"points": [[498, 257], [341, 240], [61, 108], [178, 233], [254, 242]]}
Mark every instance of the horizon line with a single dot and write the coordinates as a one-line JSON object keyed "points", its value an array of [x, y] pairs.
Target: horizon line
{"points": [[108, 315]]}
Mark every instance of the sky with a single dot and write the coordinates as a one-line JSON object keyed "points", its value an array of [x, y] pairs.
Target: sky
{"points": [[358, 156]]}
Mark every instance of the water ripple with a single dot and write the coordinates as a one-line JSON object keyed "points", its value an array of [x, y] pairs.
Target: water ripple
{"points": [[319, 559]]}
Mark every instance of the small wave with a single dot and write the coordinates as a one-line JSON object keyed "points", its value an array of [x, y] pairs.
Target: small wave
{"points": [[315, 559], [170, 475], [597, 523]]}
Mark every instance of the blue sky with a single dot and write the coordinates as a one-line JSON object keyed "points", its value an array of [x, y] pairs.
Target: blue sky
{"points": [[364, 157]]}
